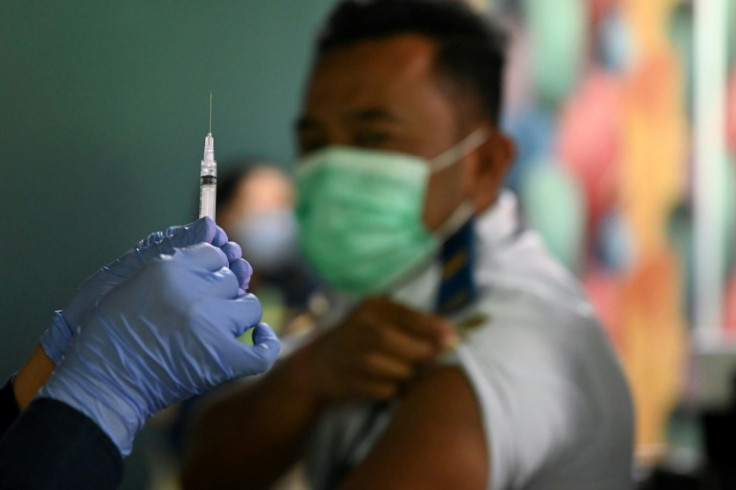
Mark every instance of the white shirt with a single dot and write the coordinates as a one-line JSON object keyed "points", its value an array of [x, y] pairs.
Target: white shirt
{"points": [[556, 409]]}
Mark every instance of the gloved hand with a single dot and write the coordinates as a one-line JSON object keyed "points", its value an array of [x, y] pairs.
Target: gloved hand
{"points": [[64, 323], [165, 334]]}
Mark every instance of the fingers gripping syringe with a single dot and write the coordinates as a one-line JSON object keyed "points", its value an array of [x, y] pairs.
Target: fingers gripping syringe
{"points": [[208, 175]]}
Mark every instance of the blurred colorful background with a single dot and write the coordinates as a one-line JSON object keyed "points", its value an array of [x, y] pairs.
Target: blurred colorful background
{"points": [[624, 164], [618, 169]]}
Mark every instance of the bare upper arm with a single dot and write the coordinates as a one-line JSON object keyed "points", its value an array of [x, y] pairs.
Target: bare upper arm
{"points": [[435, 440]]}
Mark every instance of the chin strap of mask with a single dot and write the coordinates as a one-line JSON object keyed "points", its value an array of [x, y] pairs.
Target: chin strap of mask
{"points": [[457, 287]]}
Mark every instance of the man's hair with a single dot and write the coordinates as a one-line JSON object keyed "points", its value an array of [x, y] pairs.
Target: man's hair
{"points": [[470, 49]]}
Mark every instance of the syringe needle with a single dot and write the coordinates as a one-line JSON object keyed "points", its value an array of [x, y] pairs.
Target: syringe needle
{"points": [[210, 112]]}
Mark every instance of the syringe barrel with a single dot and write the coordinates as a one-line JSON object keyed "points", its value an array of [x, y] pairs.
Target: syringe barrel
{"points": [[208, 179], [208, 189], [207, 198]]}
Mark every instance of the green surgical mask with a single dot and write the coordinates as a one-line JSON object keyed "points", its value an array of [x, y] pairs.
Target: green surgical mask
{"points": [[360, 214]]}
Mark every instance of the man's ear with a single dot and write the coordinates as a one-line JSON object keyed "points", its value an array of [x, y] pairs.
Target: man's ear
{"points": [[504, 153], [487, 172]]}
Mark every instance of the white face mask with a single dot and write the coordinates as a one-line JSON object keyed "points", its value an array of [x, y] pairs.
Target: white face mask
{"points": [[360, 213], [269, 240]]}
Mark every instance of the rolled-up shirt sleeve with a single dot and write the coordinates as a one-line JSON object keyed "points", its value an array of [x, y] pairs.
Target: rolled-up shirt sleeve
{"points": [[8, 406]]}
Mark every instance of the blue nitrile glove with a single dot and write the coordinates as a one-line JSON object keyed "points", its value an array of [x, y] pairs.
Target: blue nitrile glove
{"points": [[64, 323], [165, 334]]}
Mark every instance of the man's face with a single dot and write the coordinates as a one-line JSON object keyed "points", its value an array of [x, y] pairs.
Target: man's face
{"points": [[385, 94]]}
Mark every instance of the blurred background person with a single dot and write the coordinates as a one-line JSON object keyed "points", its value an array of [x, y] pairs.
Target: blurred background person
{"points": [[255, 206]]}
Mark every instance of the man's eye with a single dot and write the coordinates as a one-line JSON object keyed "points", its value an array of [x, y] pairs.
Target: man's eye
{"points": [[307, 146], [372, 138]]}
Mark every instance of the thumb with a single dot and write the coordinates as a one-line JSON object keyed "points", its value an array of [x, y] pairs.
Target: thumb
{"points": [[203, 230], [202, 255]]}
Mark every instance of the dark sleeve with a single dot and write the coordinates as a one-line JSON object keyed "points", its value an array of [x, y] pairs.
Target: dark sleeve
{"points": [[52, 445], [8, 406]]}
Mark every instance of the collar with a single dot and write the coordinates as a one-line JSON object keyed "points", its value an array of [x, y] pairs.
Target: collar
{"points": [[500, 222], [433, 286]]}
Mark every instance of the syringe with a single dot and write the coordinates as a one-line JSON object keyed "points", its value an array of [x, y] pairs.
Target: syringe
{"points": [[208, 175]]}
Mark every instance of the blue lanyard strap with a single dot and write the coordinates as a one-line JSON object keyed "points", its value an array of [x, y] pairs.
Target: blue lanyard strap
{"points": [[457, 287]]}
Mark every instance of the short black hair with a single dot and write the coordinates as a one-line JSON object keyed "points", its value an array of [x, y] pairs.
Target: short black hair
{"points": [[470, 48]]}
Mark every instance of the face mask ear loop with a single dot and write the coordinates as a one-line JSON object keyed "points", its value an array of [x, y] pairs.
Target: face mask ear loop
{"points": [[455, 221], [459, 151], [466, 210]]}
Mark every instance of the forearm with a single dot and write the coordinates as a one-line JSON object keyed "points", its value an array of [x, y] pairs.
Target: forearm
{"points": [[257, 432], [20, 390], [34, 374]]}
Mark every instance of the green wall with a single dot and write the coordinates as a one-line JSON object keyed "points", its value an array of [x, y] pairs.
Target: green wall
{"points": [[103, 114]]}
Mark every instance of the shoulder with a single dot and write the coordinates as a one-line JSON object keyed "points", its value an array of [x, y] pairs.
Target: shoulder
{"points": [[540, 346], [437, 436]]}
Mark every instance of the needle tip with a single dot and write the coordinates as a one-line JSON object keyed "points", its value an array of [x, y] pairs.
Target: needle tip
{"points": [[210, 112]]}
